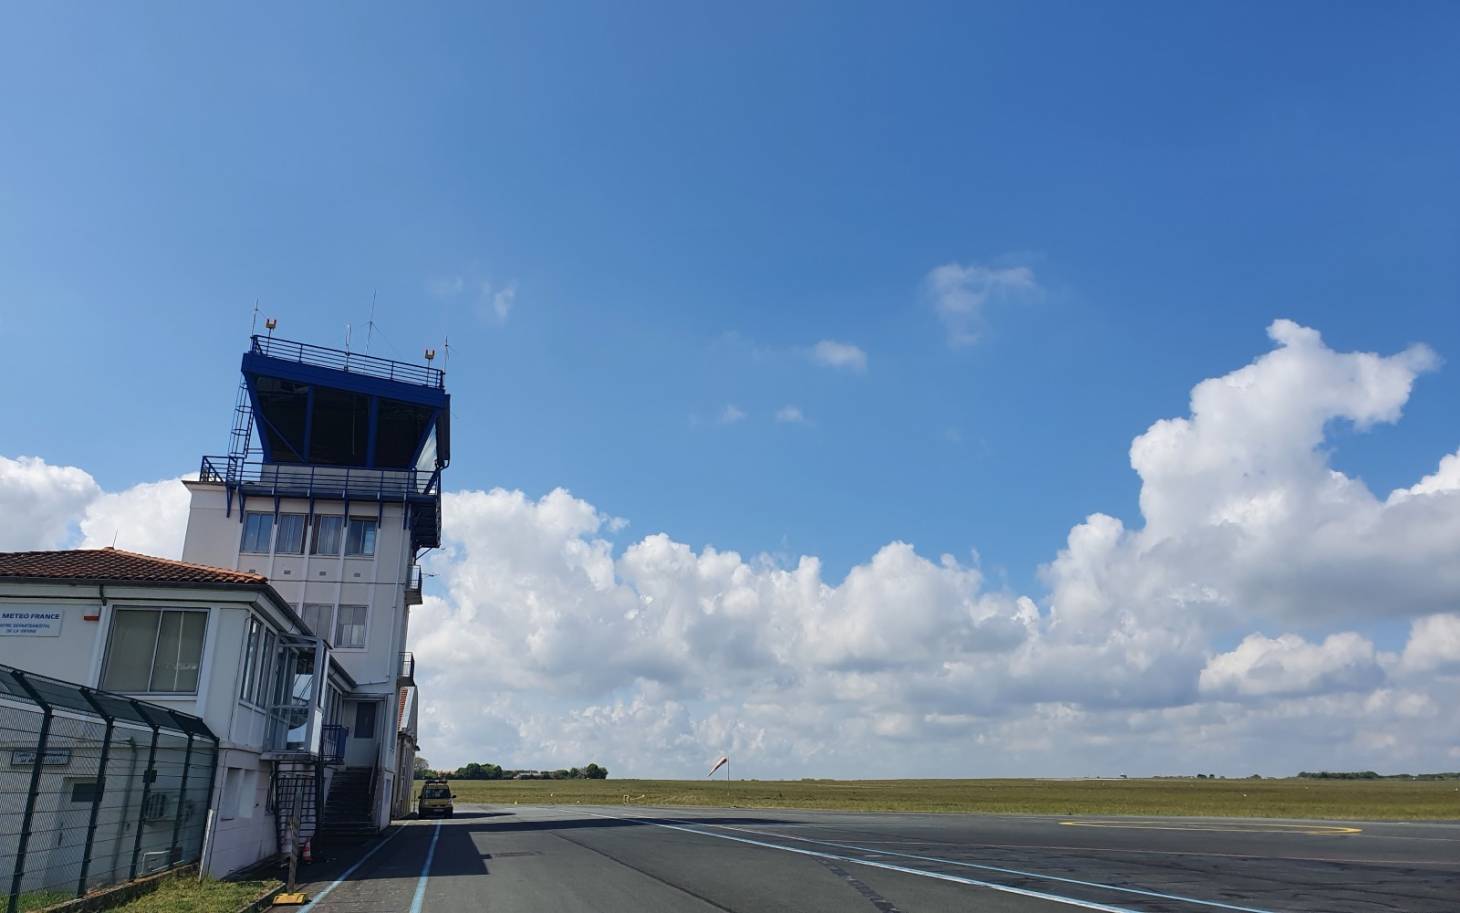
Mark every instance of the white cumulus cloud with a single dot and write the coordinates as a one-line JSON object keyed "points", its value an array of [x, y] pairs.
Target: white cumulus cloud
{"points": [[833, 354], [960, 292], [790, 415]]}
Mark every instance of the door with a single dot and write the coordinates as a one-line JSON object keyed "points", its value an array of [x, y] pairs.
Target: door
{"points": [[362, 748]]}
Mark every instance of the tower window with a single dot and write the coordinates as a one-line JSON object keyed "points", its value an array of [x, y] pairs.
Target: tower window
{"points": [[350, 627], [360, 537], [327, 533], [317, 617], [290, 540], [257, 531]]}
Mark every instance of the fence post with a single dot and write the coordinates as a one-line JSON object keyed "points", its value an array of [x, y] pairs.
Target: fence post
{"points": [[210, 821], [149, 773], [35, 785], [106, 747], [175, 853]]}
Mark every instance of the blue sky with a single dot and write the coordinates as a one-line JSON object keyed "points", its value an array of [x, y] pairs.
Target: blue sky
{"points": [[684, 201]]}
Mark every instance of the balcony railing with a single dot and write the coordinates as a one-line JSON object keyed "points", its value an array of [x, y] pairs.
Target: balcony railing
{"points": [[413, 585], [352, 362], [258, 477], [408, 667], [332, 743]]}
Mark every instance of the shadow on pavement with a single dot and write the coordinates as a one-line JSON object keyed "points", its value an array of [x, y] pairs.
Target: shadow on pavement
{"points": [[456, 850]]}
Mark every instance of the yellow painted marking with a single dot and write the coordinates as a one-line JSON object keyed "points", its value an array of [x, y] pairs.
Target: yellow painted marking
{"points": [[1312, 830]]}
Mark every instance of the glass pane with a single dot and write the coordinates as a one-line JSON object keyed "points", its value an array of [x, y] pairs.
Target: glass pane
{"points": [[179, 650], [365, 721], [190, 652], [350, 627], [257, 531], [360, 539], [250, 660], [317, 617], [327, 535], [129, 652], [290, 539]]}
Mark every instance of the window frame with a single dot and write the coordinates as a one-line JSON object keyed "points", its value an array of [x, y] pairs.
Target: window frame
{"points": [[339, 544], [363, 523], [374, 720], [327, 635], [161, 612], [303, 533], [337, 642], [243, 543], [252, 644]]}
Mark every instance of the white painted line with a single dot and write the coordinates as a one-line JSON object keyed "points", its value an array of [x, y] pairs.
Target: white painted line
{"points": [[348, 872], [420, 895], [940, 876], [1003, 871]]}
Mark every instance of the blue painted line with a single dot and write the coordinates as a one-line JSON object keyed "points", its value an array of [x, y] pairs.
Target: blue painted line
{"points": [[348, 872], [420, 895], [993, 868]]}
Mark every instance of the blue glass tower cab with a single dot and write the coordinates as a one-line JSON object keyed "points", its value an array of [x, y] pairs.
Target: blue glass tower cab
{"points": [[313, 422]]}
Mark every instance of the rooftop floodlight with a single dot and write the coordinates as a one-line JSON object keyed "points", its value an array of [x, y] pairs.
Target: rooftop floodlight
{"points": [[269, 324], [430, 354]]}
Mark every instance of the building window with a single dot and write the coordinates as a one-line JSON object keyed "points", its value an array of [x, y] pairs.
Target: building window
{"points": [[350, 627], [82, 791], [365, 720], [154, 650], [290, 540], [257, 531], [327, 532], [317, 618], [249, 689], [360, 537]]}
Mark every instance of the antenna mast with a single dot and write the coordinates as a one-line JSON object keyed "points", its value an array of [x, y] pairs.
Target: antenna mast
{"points": [[370, 327]]}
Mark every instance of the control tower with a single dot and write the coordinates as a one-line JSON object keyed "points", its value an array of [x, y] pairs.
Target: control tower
{"points": [[331, 488]]}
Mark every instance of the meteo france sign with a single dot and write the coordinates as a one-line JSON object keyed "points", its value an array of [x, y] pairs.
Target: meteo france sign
{"points": [[30, 623]]}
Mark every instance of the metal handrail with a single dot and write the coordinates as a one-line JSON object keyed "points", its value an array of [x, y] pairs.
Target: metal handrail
{"points": [[333, 738], [352, 362], [354, 481]]}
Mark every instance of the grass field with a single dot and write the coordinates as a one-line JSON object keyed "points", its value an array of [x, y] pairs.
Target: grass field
{"points": [[188, 895], [1291, 798]]}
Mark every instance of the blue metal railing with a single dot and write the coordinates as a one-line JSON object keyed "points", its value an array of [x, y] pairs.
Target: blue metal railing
{"points": [[353, 362], [332, 743], [259, 477]]}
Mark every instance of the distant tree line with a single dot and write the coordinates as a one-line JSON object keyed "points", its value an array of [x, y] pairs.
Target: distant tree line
{"points": [[478, 771], [1371, 775]]}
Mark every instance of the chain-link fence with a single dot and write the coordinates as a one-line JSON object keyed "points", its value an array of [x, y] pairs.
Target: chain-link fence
{"points": [[95, 788]]}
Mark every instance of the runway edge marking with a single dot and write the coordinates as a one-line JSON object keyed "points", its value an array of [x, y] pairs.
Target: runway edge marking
{"points": [[1142, 892], [906, 870]]}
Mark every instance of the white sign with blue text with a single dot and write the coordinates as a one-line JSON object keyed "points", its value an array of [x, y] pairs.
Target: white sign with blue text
{"points": [[30, 622]]}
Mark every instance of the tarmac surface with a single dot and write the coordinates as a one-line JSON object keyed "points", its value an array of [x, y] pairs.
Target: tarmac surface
{"points": [[616, 859]]}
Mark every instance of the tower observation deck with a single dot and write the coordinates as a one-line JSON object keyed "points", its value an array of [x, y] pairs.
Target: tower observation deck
{"points": [[320, 423]]}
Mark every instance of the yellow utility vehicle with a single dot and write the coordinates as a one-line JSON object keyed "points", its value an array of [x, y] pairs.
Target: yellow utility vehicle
{"points": [[436, 796]]}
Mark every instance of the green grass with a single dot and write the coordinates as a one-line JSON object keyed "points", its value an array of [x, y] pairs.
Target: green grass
{"points": [[188, 895], [39, 900], [1287, 798]]}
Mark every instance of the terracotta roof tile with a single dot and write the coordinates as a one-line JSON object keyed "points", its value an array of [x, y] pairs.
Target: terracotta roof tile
{"points": [[115, 564]]}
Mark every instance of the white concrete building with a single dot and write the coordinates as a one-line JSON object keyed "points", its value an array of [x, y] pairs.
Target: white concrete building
{"points": [[220, 645], [300, 554]]}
